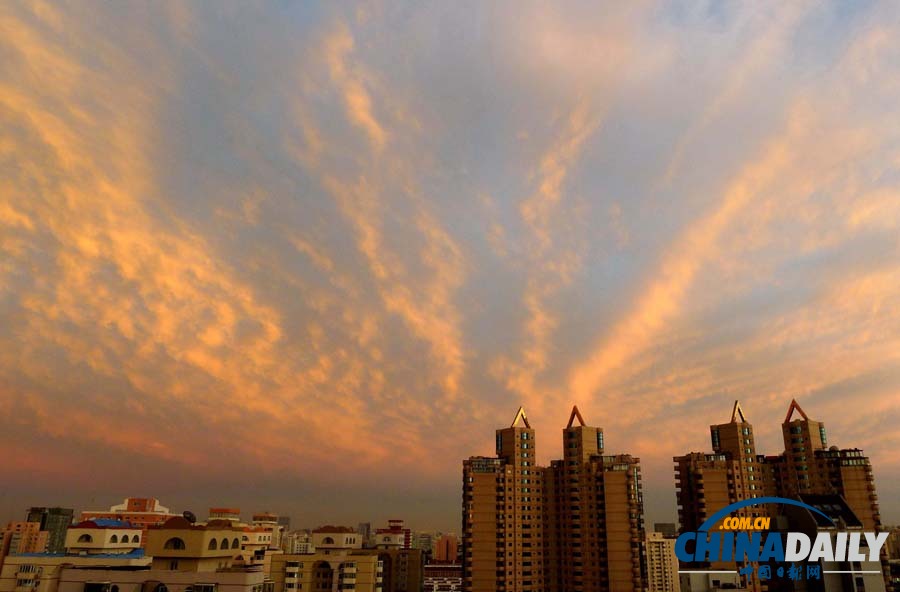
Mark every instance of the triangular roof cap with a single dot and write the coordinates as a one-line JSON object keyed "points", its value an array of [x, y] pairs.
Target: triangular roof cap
{"points": [[795, 406], [738, 413], [576, 414], [520, 416]]}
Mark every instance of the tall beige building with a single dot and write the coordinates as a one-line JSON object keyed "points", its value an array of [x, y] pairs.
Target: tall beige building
{"points": [[705, 483], [503, 540], [662, 563], [575, 525]]}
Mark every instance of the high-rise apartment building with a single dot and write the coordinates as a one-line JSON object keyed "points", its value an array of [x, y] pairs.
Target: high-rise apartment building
{"points": [[707, 482], [503, 526], [55, 521], [810, 466], [593, 515], [662, 563], [575, 525]]}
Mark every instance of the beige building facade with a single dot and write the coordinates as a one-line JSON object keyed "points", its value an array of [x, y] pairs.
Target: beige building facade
{"points": [[575, 525]]}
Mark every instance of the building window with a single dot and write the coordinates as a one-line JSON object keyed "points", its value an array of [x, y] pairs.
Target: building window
{"points": [[174, 543]]}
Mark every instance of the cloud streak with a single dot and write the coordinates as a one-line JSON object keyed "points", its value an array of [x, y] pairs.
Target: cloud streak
{"points": [[293, 256]]}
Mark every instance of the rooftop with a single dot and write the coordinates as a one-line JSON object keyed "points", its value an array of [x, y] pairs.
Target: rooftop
{"points": [[106, 523]]}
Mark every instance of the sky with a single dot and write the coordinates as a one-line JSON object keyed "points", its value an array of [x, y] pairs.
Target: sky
{"points": [[307, 257]]}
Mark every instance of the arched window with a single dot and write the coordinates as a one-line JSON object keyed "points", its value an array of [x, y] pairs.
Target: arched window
{"points": [[135, 539], [224, 544], [85, 538], [173, 543], [213, 545], [114, 539], [328, 541], [235, 544]]}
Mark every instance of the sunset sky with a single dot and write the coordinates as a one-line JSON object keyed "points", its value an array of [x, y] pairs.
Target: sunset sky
{"points": [[307, 257]]}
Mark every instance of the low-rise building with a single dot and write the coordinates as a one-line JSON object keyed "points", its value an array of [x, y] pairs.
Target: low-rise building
{"points": [[710, 582], [338, 569], [100, 544], [138, 511], [186, 557], [442, 578], [269, 523], [297, 543], [395, 535], [103, 537], [446, 549]]}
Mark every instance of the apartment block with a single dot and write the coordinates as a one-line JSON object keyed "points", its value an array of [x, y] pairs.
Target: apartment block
{"points": [[55, 521], [575, 525], [593, 515], [503, 515], [321, 572], [22, 537], [662, 563], [707, 482], [339, 562]]}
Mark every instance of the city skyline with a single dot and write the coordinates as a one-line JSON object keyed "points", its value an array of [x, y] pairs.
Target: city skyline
{"points": [[352, 515], [315, 254]]}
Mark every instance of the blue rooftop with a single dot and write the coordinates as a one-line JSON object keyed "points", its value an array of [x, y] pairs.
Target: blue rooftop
{"points": [[111, 523]]}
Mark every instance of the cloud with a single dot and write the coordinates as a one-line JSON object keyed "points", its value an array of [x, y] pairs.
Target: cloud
{"points": [[307, 258]]}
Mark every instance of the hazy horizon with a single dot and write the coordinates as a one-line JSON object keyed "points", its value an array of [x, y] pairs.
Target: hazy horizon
{"points": [[314, 254]]}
